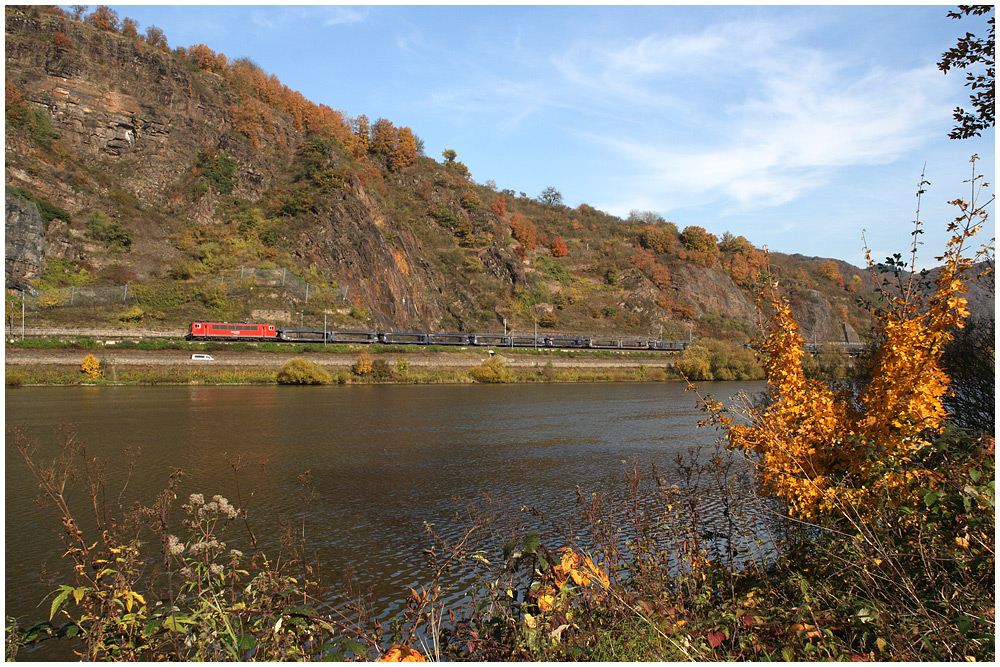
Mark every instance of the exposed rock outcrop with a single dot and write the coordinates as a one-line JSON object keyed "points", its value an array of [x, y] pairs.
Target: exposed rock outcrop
{"points": [[24, 242]]}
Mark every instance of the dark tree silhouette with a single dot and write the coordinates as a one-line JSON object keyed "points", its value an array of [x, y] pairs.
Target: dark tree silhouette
{"points": [[971, 53]]}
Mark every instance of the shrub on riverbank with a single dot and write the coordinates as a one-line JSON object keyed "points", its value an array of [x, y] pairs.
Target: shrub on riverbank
{"points": [[302, 371], [492, 371], [719, 360]]}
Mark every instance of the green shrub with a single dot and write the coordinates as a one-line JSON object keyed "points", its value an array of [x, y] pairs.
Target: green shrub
{"points": [[102, 228], [553, 270], [46, 209], [218, 168], [445, 217], [301, 371], [33, 121]]}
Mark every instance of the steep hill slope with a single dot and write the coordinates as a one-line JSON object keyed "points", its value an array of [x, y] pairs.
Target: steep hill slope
{"points": [[127, 162]]}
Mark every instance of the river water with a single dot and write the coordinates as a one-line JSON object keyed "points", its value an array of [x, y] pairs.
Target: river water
{"points": [[385, 460]]}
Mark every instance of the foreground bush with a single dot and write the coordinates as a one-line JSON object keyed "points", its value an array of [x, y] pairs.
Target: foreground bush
{"points": [[301, 371]]}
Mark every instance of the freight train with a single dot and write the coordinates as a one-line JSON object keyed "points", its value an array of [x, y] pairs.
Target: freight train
{"points": [[225, 331]]}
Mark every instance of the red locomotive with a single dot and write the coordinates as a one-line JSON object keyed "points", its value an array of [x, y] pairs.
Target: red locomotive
{"points": [[229, 331]]}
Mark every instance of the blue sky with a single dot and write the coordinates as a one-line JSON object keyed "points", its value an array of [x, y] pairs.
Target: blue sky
{"points": [[795, 126]]}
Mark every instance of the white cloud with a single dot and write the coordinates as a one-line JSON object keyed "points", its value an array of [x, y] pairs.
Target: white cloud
{"points": [[274, 18], [797, 114], [344, 15]]}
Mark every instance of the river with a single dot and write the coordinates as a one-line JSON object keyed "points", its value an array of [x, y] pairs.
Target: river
{"points": [[386, 461]]}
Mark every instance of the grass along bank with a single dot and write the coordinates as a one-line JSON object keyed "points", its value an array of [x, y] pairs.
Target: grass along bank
{"points": [[386, 373]]}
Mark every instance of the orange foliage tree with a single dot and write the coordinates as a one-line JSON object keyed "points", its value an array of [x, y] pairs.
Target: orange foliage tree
{"points": [[524, 231], [104, 18], [825, 452], [701, 245], [559, 248], [830, 271]]}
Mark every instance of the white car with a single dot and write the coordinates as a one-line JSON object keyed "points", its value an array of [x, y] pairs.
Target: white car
{"points": [[202, 357]]}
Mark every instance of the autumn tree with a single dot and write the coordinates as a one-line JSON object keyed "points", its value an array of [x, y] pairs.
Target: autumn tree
{"points": [[104, 18], [397, 145], [450, 162], [830, 271], [499, 206], [826, 452], [976, 56], [91, 367], [657, 238], [700, 245], [362, 130], [524, 231], [207, 59], [61, 40], [156, 38], [558, 247], [130, 28]]}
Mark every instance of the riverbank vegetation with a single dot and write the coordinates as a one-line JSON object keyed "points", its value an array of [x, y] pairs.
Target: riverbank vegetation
{"points": [[857, 524], [382, 373]]}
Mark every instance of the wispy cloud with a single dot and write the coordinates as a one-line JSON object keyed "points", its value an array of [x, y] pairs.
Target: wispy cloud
{"points": [[273, 18], [795, 114], [344, 15]]}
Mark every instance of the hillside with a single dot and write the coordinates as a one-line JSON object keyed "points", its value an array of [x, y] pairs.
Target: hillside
{"points": [[171, 170]]}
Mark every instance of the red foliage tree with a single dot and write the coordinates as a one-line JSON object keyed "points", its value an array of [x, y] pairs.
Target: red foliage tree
{"points": [[559, 248], [499, 206], [61, 40]]}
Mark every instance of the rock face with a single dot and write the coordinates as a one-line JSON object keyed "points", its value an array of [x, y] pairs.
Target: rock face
{"points": [[24, 242], [713, 291], [818, 321]]}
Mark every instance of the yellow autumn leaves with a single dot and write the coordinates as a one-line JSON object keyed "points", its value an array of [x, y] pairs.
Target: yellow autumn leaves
{"points": [[571, 569], [821, 449]]}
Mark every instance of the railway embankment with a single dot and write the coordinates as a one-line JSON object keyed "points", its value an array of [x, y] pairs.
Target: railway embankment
{"points": [[425, 360], [62, 365]]}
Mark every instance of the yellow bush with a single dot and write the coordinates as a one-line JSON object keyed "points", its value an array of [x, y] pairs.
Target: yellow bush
{"points": [[363, 365], [493, 371], [819, 450], [301, 371], [91, 366], [50, 300], [133, 315]]}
